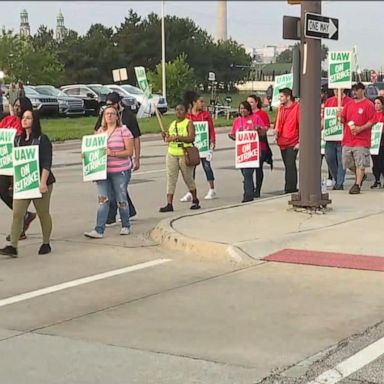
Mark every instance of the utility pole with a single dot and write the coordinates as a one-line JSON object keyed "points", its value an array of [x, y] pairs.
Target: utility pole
{"points": [[164, 85], [310, 192]]}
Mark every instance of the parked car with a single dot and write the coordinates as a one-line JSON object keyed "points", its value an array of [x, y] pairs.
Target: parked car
{"points": [[371, 91], [138, 94], [68, 106], [92, 101], [46, 105], [127, 100]]}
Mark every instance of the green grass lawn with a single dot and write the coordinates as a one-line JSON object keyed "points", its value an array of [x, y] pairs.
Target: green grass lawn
{"points": [[63, 129]]}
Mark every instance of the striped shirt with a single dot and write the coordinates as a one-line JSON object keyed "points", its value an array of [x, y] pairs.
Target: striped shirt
{"points": [[115, 143]]}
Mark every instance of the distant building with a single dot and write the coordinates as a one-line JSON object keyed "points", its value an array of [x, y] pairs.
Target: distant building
{"points": [[60, 28], [25, 29], [266, 54]]}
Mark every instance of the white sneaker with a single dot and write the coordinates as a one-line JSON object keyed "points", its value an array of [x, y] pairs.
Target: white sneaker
{"points": [[329, 183], [93, 235], [125, 231], [187, 198], [211, 195]]}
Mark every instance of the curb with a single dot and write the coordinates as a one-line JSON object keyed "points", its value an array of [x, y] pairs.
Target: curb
{"points": [[166, 236]]}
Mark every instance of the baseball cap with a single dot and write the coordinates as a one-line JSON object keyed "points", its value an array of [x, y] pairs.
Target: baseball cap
{"points": [[113, 97]]}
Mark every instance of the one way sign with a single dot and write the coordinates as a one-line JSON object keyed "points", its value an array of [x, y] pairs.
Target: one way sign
{"points": [[321, 27]]}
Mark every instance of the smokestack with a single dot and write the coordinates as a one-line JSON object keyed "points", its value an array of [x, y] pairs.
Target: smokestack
{"points": [[221, 20]]}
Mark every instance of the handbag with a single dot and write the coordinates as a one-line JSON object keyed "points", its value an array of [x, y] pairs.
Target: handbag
{"points": [[191, 154]]}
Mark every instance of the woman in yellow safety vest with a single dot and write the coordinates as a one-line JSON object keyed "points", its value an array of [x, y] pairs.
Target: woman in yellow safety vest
{"points": [[180, 135]]}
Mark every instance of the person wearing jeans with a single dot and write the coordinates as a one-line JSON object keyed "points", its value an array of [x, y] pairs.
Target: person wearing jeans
{"points": [[32, 135], [334, 158], [114, 187], [287, 133], [247, 121]]}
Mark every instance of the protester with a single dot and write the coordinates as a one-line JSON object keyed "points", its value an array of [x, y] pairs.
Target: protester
{"points": [[247, 122], [265, 150], [180, 135], [269, 95], [198, 113], [119, 164], [32, 135], [12, 96], [357, 118], [127, 118], [287, 132], [333, 149], [20, 106], [20, 91], [378, 160]]}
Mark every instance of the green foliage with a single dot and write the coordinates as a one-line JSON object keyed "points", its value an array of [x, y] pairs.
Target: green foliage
{"points": [[180, 78], [286, 55]]}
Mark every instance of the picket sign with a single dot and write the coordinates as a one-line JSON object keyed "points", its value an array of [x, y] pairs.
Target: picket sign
{"points": [[283, 81], [376, 133], [340, 69], [94, 157], [26, 172], [333, 129], [202, 138], [247, 149], [7, 139]]}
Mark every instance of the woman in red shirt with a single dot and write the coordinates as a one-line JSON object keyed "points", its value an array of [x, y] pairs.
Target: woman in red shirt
{"points": [[198, 113], [265, 150], [378, 160]]}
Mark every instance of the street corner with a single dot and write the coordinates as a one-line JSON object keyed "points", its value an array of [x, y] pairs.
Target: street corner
{"points": [[168, 237]]}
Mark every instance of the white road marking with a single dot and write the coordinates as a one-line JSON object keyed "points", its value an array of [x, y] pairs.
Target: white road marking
{"points": [[82, 281], [352, 364]]}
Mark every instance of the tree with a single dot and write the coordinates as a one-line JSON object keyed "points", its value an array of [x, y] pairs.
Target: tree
{"points": [[180, 78], [286, 55]]}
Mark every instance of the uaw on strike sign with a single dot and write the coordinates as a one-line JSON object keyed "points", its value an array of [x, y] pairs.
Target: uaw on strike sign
{"points": [[7, 137], [247, 149], [93, 149], [26, 172]]}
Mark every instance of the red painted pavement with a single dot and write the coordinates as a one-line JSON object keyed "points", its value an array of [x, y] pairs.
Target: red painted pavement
{"points": [[328, 259]]}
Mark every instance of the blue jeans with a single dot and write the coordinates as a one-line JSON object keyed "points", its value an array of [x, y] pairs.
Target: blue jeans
{"points": [[333, 156], [249, 186], [207, 169], [113, 209], [113, 188]]}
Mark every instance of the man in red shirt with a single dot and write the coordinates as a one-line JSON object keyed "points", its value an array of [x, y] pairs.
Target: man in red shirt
{"points": [[287, 134], [333, 149], [21, 105], [357, 118]]}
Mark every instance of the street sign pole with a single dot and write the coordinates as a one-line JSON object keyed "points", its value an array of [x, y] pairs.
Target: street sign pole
{"points": [[309, 195]]}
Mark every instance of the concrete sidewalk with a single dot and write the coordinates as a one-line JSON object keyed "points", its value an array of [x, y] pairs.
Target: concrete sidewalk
{"points": [[248, 232]]}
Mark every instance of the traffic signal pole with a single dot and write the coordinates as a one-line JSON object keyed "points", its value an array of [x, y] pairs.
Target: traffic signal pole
{"points": [[310, 194]]}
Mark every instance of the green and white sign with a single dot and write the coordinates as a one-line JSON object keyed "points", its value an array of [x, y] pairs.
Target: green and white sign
{"points": [[202, 137], [376, 133], [340, 69], [26, 172], [7, 138], [283, 81], [142, 81], [93, 149], [322, 143], [333, 129]]}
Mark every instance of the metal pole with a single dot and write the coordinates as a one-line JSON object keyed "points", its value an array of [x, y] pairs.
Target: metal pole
{"points": [[164, 85], [309, 195]]}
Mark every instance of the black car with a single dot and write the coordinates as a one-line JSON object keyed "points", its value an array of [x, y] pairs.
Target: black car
{"points": [[92, 100], [68, 106]]}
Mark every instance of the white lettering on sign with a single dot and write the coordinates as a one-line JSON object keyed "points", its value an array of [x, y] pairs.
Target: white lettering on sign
{"points": [[318, 26]]}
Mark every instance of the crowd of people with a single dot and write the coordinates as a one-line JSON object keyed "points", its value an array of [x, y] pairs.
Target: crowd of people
{"points": [[357, 114]]}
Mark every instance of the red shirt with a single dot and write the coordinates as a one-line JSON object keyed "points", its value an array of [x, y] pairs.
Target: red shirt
{"points": [[204, 116], [288, 126], [249, 123], [12, 122], [332, 101], [263, 116], [360, 112]]}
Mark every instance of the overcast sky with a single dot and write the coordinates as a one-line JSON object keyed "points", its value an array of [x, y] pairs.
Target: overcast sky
{"points": [[252, 23]]}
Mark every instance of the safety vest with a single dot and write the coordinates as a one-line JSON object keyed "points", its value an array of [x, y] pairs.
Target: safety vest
{"points": [[176, 148]]}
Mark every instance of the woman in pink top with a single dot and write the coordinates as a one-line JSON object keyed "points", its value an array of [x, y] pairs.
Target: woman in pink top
{"points": [[247, 122], [119, 165], [265, 150]]}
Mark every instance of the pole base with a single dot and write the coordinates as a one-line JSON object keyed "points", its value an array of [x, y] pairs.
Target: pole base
{"points": [[313, 203]]}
